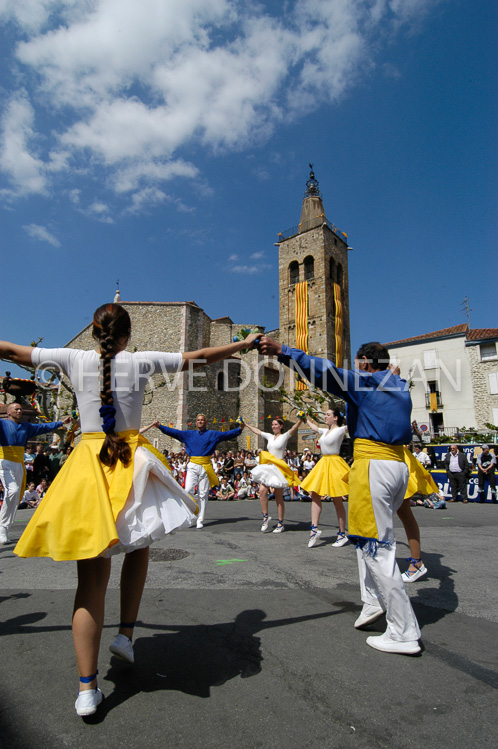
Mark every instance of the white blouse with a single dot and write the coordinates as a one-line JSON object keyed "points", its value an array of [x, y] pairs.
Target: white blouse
{"points": [[331, 441], [129, 376], [276, 445]]}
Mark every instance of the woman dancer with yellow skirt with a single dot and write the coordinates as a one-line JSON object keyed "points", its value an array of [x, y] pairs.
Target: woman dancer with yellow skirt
{"points": [[327, 477], [273, 471], [115, 493]]}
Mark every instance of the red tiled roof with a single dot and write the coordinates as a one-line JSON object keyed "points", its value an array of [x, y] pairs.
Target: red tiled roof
{"points": [[481, 334], [455, 330]]}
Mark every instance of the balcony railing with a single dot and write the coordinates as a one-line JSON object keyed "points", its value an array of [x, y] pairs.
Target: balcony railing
{"points": [[313, 223], [439, 400]]}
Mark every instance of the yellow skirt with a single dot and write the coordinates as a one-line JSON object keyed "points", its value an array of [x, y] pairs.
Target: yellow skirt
{"points": [[420, 480], [272, 471], [327, 477], [92, 510]]}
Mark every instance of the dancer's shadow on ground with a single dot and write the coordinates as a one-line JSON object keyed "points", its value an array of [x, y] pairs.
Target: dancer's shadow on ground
{"points": [[192, 659], [224, 521], [14, 625], [435, 595]]}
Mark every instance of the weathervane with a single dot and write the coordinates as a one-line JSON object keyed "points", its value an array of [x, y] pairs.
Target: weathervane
{"points": [[312, 188]]}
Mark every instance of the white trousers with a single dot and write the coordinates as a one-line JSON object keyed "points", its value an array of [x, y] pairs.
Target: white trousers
{"points": [[197, 476], [380, 579], [11, 475]]}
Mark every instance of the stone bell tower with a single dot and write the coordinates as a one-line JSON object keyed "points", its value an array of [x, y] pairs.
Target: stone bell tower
{"points": [[313, 282]]}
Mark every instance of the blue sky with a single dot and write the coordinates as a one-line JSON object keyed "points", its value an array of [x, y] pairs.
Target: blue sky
{"points": [[167, 144]]}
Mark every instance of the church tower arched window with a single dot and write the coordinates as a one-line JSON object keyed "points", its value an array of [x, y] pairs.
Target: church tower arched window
{"points": [[294, 272], [332, 269], [340, 274], [309, 268]]}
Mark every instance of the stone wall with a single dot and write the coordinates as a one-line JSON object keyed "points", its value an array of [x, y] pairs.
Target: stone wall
{"points": [[484, 401]]}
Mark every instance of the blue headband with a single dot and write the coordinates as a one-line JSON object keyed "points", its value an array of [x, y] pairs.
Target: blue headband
{"points": [[108, 413]]}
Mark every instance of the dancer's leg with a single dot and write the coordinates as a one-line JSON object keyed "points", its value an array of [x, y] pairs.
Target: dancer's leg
{"points": [[133, 576], [388, 481], [279, 499], [88, 614], [341, 513], [316, 508], [203, 487], [263, 498], [11, 475], [412, 531]]}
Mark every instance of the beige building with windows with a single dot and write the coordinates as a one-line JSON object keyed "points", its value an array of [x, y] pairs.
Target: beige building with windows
{"points": [[454, 377]]}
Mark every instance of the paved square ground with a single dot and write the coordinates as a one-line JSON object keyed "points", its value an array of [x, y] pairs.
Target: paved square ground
{"points": [[246, 639]]}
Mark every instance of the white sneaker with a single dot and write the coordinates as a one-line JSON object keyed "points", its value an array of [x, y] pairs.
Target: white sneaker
{"points": [[341, 540], [4, 539], [199, 524], [369, 615], [264, 527], [410, 577], [279, 528], [388, 645], [314, 536], [122, 648], [88, 701]]}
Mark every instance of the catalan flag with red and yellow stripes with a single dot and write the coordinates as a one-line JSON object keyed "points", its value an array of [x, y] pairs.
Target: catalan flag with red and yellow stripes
{"points": [[302, 323], [338, 325]]}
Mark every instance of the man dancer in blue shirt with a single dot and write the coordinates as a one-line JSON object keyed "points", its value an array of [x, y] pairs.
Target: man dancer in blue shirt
{"points": [[200, 445], [378, 407], [14, 436]]}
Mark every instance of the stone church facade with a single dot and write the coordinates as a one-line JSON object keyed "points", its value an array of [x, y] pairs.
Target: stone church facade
{"points": [[315, 251]]}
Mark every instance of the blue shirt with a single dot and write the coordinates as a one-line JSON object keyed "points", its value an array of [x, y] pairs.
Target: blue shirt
{"points": [[200, 443], [16, 435], [378, 404]]}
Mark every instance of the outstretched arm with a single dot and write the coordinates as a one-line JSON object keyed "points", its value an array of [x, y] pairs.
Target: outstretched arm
{"points": [[321, 372], [254, 430], [149, 426], [15, 353], [312, 425], [177, 434], [222, 436], [217, 353], [295, 427]]}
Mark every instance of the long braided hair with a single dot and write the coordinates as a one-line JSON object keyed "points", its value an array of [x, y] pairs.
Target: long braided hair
{"points": [[111, 324]]}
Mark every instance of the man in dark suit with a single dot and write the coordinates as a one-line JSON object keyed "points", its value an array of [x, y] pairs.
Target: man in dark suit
{"points": [[458, 470]]}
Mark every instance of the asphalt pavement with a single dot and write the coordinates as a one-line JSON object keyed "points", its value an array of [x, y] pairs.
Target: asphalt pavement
{"points": [[246, 639]]}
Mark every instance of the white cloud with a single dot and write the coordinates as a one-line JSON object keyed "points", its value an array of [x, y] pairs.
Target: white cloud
{"points": [[100, 211], [75, 196], [30, 15], [247, 269], [25, 170], [130, 176], [147, 197], [40, 232], [129, 84]]}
